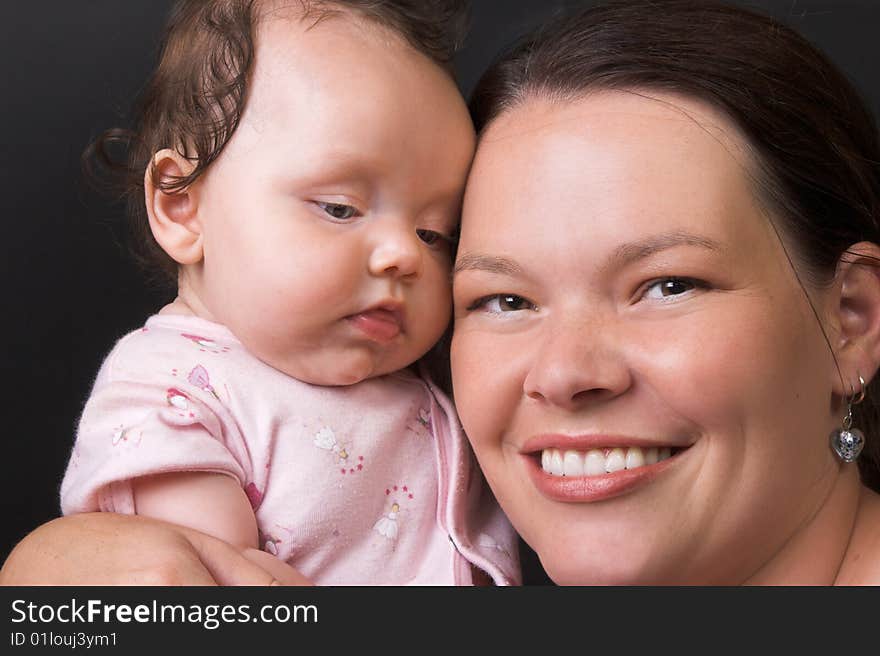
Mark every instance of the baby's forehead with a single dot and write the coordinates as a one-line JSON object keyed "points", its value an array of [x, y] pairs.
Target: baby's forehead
{"points": [[345, 89], [340, 54], [325, 25]]}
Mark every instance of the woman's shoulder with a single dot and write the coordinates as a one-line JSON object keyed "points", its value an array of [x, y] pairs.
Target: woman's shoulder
{"points": [[861, 564]]}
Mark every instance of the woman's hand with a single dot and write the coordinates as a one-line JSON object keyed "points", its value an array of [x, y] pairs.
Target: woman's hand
{"points": [[110, 549]]}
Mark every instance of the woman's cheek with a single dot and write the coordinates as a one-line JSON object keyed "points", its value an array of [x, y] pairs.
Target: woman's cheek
{"points": [[716, 352], [488, 370], [473, 377]]}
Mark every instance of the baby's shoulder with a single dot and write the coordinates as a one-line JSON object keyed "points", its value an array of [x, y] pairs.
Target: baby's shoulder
{"points": [[172, 345]]}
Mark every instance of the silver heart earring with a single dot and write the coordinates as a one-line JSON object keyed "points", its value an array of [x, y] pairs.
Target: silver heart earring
{"points": [[847, 441]]}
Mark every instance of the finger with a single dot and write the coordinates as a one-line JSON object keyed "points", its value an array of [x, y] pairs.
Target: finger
{"points": [[226, 564], [284, 574]]}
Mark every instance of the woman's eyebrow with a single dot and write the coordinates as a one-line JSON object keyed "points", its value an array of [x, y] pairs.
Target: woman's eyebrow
{"points": [[489, 263], [630, 252], [623, 255]]}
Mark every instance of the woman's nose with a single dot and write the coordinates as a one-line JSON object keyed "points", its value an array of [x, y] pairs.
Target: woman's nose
{"points": [[577, 364], [395, 252]]}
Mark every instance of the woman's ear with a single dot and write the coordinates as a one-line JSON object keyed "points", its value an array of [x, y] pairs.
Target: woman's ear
{"points": [[858, 316], [173, 215]]}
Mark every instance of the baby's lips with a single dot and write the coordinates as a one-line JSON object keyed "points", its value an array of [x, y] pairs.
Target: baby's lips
{"points": [[379, 324]]}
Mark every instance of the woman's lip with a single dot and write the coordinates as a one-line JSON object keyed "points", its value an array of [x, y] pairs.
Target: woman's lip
{"points": [[586, 489], [586, 442]]}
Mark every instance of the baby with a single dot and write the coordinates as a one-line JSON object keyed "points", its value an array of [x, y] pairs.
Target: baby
{"points": [[303, 166]]}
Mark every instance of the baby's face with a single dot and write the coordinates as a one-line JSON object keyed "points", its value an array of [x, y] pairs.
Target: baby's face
{"points": [[325, 219]]}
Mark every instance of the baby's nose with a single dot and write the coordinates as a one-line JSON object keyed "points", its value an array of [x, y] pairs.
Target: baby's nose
{"points": [[396, 253]]}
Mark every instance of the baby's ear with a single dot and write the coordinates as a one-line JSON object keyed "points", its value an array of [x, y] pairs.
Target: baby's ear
{"points": [[173, 214], [857, 316]]}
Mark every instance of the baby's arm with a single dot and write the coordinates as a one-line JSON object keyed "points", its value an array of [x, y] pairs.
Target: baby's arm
{"points": [[209, 502]]}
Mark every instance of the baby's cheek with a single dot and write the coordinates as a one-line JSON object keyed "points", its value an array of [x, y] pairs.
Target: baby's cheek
{"points": [[437, 289]]}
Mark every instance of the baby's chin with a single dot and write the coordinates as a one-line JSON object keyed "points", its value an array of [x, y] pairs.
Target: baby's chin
{"points": [[341, 378], [331, 371]]}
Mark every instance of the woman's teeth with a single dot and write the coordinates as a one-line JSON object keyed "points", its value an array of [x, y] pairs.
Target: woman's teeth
{"points": [[600, 461]]}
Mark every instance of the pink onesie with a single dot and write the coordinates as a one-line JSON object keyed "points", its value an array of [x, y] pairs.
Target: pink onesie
{"points": [[368, 484]]}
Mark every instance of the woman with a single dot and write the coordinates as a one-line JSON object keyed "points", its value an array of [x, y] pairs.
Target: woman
{"points": [[666, 306], [667, 300]]}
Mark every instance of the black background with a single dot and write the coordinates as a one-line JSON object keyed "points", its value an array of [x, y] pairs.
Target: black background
{"points": [[70, 69]]}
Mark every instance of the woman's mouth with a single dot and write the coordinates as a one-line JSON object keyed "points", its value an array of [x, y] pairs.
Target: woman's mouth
{"points": [[589, 468], [596, 462]]}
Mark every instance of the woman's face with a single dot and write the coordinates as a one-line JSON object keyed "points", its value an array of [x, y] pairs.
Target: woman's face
{"points": [[620, 296]]}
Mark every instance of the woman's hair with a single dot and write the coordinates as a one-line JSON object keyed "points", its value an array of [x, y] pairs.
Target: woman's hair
{"points": [[196, 95], [814, 142]]}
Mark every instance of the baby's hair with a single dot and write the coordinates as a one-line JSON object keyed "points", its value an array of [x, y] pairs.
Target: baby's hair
{"points": [[195, 97]]}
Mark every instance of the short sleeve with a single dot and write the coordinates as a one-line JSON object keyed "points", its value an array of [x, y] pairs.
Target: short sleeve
{"points": [[140, 420]]}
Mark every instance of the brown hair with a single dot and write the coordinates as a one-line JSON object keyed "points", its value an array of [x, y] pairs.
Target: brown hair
{"points": [[815, 142], [196, 95]]}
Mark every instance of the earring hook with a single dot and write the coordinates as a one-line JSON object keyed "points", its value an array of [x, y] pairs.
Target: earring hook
{"points": [[855, 399]]}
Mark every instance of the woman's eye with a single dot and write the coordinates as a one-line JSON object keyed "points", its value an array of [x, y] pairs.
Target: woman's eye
{"points": [[670, 287], [338, 211], [498, 303]]}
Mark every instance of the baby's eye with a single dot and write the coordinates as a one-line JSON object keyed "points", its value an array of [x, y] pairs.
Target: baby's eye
{"points": [[670, 287], [338, 211], [498, 303], [434, 238], [430, 237]]}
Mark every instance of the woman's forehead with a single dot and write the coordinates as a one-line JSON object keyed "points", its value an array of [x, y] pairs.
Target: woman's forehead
{"points": [[634, 116], [616, 151], [606, 171]]}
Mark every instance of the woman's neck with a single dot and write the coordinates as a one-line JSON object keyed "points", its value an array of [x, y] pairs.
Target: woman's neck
{"points": [[861, 563], [816, 553]]}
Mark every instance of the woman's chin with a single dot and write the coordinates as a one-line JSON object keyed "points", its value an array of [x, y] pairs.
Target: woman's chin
{"points": [[574, 575], [600, 566]]}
